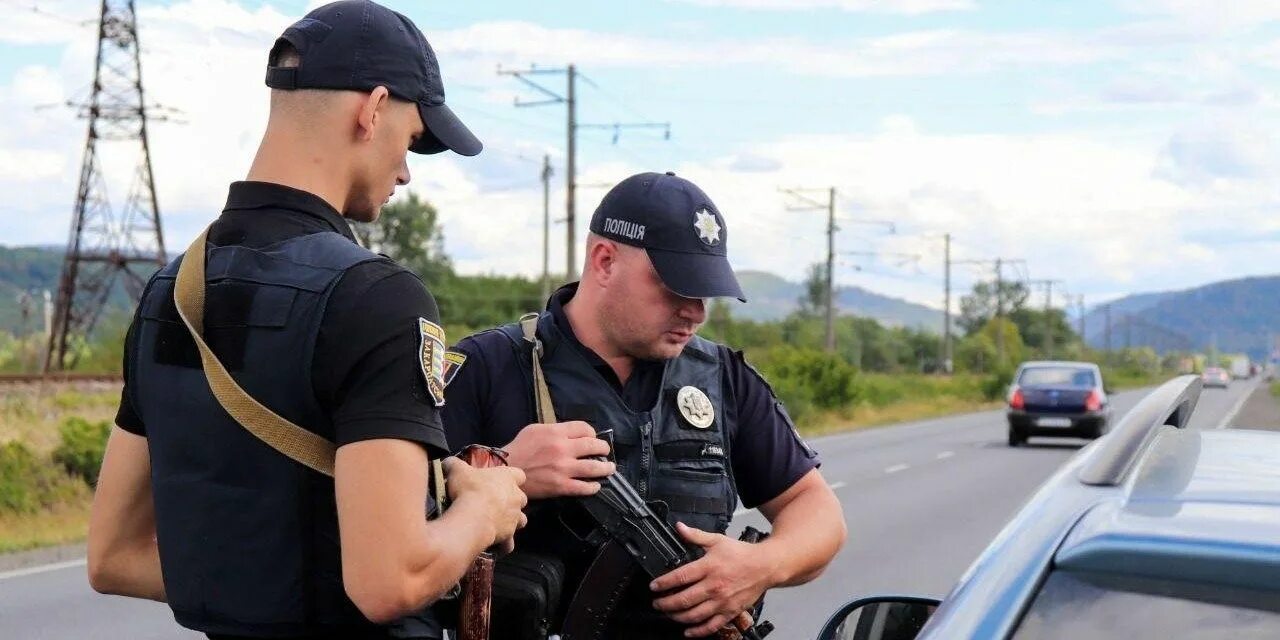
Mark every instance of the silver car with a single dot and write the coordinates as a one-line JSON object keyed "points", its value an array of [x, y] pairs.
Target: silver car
{"points": [[1154, 532]]}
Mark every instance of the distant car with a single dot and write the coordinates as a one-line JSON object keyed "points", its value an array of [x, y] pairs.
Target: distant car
{"points": [[1216, 377], [1157, 531], [1057, 399]]}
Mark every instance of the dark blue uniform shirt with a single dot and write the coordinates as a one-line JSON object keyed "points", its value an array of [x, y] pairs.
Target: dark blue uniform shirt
{"points": [[487, 402]]}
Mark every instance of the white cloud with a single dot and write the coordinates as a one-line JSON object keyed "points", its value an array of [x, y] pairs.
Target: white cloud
{"points": [[907, 7], [932, 52], [1211, 154], [1210, 15]]}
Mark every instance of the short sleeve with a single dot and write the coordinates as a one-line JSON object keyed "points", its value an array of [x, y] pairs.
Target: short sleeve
{"points": [[374, 356], [768, 453]]}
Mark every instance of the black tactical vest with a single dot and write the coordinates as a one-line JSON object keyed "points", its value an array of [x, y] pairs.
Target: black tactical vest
{"points": [[661, 453], [248, 538]]}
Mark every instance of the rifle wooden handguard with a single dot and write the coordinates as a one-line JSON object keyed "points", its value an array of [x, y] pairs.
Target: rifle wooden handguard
{"points": [[477, 584]]}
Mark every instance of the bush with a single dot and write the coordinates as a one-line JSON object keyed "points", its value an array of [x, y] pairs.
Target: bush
{"points": [[808, 379], [28, 484], [83, 444], [997, 384]]}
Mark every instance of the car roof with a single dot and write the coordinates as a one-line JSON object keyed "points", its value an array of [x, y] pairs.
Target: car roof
{"points": [[1201, 506], [1057, 363]]}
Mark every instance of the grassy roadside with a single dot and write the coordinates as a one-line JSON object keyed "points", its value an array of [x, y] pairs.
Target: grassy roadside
{"points": [[63, 524], [31, 416]]}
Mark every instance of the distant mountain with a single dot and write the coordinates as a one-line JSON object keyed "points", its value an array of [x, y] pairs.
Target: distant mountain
{"points": [[25, 274], [770, 297], [1236, 316]]}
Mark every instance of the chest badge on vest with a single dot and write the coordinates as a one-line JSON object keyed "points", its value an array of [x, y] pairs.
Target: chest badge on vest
{"points": [[431, 358], [696, 407]]}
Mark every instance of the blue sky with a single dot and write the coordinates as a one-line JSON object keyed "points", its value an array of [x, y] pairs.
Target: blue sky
{"points": [[1119, 145]]}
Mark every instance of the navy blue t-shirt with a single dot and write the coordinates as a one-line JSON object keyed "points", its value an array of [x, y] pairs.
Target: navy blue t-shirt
{"points": [[487, 402]]}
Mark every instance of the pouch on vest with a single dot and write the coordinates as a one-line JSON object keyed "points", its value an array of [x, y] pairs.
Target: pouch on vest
{"points": [[526, 595]]}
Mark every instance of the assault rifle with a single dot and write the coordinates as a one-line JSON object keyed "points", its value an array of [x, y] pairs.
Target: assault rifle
{"points": [[634, 532]]}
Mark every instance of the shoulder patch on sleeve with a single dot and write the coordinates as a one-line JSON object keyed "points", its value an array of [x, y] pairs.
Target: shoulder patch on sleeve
{"points": [[453, 361], [431, 358], [779, 408]]}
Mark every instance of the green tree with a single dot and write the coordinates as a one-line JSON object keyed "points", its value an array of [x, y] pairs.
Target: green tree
{"points": [[979, 306], [409, 232], [1032, 324], [977, 352], [813, 300]]}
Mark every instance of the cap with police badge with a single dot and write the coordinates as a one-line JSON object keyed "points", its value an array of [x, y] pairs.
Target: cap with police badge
{"points": [[678, 226], [359, 45]]}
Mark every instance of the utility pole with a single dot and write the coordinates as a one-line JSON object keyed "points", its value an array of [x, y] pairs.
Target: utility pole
{"points": [[946, 305], [1048, 315], [546, 227], [109, 244], [570, 100], [999, 312], [1084, 340], [831, 270], [1106, 336], [809, 204]]}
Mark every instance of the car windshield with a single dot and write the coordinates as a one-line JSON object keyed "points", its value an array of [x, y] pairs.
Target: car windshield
{"points": [[1072, 606], [1057, 376]]}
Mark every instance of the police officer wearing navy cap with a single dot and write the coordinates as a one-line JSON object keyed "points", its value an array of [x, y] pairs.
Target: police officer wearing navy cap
{"points": [[693, 425], [191, 508]]}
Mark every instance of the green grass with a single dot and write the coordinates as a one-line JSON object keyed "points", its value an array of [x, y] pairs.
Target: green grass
{"points": [[32, 415], [47, 506], [64, 523]]}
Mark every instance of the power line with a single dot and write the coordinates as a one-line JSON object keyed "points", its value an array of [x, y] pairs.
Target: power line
{"points": [[569, 99]]}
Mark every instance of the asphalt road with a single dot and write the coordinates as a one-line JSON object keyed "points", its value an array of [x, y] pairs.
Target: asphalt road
{"points": [[921, 501]]}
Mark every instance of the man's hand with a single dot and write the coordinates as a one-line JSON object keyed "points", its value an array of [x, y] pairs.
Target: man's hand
{"points": [[495, 491], [552, 456], [710, 591]]}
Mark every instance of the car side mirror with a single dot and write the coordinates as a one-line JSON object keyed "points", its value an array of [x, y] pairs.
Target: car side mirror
{"points": [[880, 618]]}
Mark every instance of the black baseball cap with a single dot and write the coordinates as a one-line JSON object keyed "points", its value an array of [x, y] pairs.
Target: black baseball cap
{"points": [[359, 45], [678, 226]]}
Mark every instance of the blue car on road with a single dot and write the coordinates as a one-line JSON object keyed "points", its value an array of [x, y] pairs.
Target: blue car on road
{"points": [[1057, 399], [1155, 531]]}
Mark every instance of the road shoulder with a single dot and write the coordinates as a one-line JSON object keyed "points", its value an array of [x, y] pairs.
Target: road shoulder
{"points": [[1260, 411]]}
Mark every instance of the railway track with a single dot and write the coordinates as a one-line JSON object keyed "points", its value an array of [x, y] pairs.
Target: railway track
{"points": [[57, 378]]}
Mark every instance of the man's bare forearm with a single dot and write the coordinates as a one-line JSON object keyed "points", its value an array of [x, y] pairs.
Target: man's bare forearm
{"points": [[808, 530]]}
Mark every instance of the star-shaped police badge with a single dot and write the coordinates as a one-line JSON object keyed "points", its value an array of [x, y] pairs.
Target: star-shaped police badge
{"points": [[708, 228]]}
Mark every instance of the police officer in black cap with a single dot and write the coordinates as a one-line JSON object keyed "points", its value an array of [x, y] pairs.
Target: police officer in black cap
{"points": [[693, 426], [194, 509]]}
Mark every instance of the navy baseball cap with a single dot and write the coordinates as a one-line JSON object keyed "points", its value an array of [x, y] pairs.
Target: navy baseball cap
{"points": [[678, 226], [358, 45]]}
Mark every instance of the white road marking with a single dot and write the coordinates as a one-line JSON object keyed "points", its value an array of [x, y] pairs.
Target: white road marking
{"points": [[44, 568], [897, 467], [1231, 415], [946, 454]]}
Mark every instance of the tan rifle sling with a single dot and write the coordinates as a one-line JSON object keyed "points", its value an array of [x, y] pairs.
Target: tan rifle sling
{"points": [[541, 394]]}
